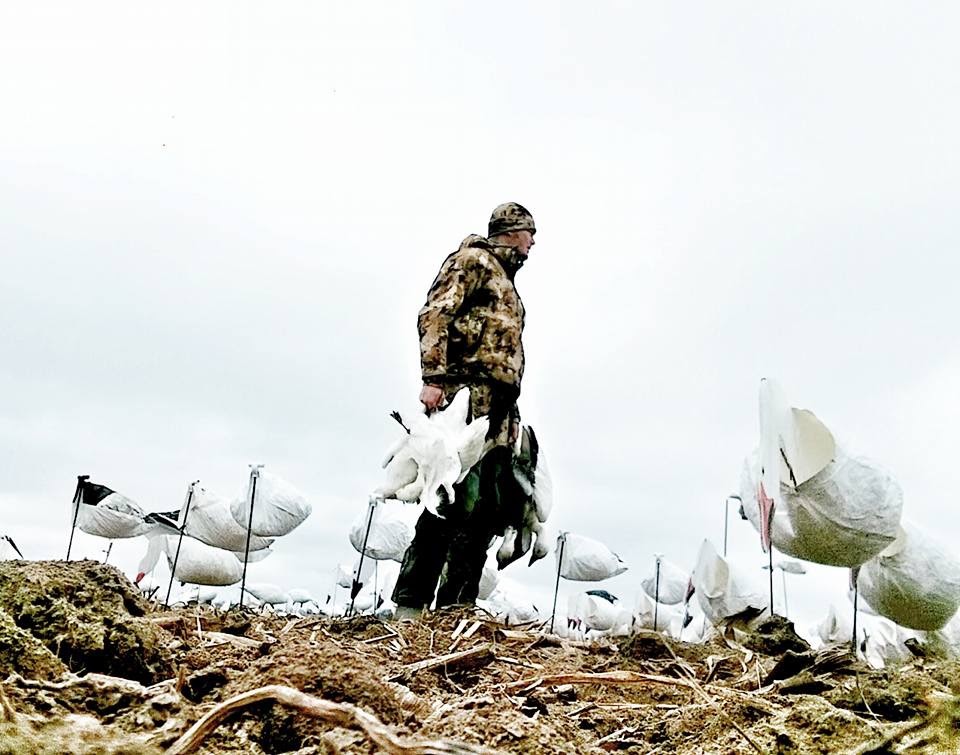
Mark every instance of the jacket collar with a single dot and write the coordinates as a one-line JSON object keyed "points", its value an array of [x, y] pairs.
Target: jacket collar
{"points": [[508, 256]]}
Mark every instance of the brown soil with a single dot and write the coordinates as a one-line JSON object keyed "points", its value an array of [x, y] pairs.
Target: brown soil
{"points": [[89, 615], [74, 686]]}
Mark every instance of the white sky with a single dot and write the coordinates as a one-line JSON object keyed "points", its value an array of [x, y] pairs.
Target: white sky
{"points": [[218, 222]]}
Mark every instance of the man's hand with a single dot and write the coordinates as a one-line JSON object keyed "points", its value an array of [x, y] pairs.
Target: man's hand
{"points": [[514, 431], [431, 396]]}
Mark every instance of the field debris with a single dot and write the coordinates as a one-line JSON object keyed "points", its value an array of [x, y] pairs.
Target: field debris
{"points": [[455, 681]]}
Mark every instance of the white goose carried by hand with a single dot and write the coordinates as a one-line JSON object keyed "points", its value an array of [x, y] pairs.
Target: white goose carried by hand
{"points": [[436, 453]]}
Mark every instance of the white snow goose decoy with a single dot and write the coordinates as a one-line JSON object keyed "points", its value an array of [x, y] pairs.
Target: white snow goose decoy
{"points": [[106, 513], [810, 499], [197, 563]]}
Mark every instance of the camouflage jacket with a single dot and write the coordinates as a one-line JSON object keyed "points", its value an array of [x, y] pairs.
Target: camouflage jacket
{"points": [[471, 325]]}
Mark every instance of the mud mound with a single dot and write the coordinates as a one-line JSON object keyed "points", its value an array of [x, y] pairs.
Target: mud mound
{"points": [[89, 615], [70, 734], [320, 669], [331, 673], [24, 654], [897, 693], [89, 714]]}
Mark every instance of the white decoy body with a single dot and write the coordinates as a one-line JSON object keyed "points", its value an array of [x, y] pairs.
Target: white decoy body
{"points": [[198, 563], [723, 595], [391, 530], [343, 575], [598, 612], [278, 509], [511, 603], [300, 595], [835, 628], [671, 586], [253, 556], [268, 594], [209, 520], [915, 581], [585, 559], [302, 602], [105, 513], [807, 497], [199, 594]]}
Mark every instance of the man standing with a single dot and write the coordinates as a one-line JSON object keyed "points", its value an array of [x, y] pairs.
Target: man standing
{"points": [[470, 337]]}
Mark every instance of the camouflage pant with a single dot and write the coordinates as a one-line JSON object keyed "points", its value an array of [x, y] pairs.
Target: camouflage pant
{"points": [[498, 402], [453, 548]]}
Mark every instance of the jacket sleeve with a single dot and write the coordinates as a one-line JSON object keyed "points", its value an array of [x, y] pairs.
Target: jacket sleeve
{"points": [[460, 276]]}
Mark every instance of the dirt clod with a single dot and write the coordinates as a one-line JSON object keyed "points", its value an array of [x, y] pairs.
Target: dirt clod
{"points": [[22, 653], [87, 614], [775, 635]]}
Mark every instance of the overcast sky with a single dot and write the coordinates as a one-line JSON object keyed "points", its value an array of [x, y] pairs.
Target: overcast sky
{"points": [[220, 219]]}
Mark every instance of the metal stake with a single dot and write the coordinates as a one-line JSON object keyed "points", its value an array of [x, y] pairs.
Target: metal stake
{"points": [[183, 527], [854, 577], [656, 599], [726, 524], [770, 568], [109, 548], [556, 587], [77, 498], [770, 557], [786, 609], [254, 476], [355, 588]]}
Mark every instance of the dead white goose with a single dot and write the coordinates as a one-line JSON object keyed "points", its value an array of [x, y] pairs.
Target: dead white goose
{"points": [[436, 452], [531, 497]]}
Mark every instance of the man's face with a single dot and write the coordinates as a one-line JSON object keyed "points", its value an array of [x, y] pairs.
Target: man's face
{"points": [[523, 242]]}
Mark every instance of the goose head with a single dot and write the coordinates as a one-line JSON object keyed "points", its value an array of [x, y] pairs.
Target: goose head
{"points": [[794, 447], [155, 546], [774, 412]]}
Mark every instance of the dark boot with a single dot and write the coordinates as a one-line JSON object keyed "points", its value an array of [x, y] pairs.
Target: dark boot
{"points": [[423, 562]]}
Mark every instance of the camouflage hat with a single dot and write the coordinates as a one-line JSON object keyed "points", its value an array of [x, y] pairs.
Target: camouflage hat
{"points": [[510, 217]]}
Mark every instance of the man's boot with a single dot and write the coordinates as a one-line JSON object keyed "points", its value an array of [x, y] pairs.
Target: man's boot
{"points": [[407, 613]]}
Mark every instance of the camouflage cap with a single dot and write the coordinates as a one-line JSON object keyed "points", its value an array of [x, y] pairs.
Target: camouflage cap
{"points": [[510, 217]]}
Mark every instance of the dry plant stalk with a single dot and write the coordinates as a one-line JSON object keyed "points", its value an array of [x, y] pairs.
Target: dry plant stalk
{"points": [[698, 688], [337, 714], [603, 678], [944, 715], [628, 677], [9, 714], [480, 655]]}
